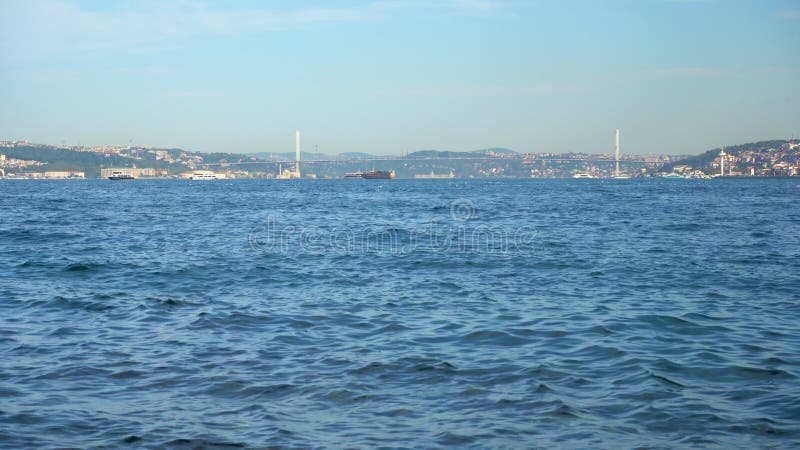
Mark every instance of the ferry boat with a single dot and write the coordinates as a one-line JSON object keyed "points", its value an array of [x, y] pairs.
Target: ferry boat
{"points": [[697, 174], [372, 175], [203, 175], [673, 176], [119, 175], [583, 175], [379, 175]]}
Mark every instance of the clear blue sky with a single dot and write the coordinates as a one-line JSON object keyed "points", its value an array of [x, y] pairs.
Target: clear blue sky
{"points": [[676, 76]]}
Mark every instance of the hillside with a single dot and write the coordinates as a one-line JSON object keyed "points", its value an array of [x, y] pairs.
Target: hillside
{"points": [[55, 158], [491, 152], [289, 156], [308, 156], [91, 161], [760, 156]]}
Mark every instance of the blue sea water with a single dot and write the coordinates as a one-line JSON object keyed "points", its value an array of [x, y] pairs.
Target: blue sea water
{"points": [[400, 314]]}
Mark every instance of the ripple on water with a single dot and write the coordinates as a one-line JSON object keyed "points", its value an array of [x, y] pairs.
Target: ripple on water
{"points": [[154, 314]]}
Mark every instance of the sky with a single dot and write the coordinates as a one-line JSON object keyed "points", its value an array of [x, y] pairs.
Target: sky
{"points": [[395, 76]]}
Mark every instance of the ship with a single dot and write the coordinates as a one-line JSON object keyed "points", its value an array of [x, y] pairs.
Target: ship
{"points": [[583, 175], [119, 175], [372, 175], [203, 175], [379, 175]]}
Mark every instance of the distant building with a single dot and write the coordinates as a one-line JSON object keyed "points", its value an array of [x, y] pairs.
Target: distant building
{"points": [[63, 174], [56, 174], [286, 174]]}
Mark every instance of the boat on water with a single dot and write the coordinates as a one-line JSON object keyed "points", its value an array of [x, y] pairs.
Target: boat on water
{"points": [[673, 176], [583, 175], [373, 175], [203, 175], [119, 175], [697, 174], [379, 175]]}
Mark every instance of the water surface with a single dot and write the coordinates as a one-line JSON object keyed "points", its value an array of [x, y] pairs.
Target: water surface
{"points": [[402, 314]]}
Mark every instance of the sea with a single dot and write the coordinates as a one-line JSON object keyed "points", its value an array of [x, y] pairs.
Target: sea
{"points": [[574, 314]]}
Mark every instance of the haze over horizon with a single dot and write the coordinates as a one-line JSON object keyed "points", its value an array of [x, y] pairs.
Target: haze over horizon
{"points": [[386, 77]]}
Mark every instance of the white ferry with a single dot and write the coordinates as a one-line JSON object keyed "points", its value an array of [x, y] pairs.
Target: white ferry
{"points": [[120, 175], [203, 175]]}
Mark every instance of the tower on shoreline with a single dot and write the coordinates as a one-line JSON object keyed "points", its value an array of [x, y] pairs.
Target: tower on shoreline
{"points": [[297, 153], [616, 168], [617, 174], [289, 173]]}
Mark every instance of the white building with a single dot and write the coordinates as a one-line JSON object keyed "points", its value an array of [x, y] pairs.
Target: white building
{"points": [[64, 174]]}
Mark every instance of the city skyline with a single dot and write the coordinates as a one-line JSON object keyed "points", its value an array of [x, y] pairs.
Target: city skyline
{"points": [[388, 77]]}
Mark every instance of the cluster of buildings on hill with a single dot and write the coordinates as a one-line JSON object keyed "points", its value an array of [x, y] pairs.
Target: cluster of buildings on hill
{"points": [[14, 163], [782, 160], [771, 159], [27, 166], [181, 157]]}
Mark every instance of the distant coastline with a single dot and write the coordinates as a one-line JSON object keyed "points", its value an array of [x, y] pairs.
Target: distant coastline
{"points": [[22, 159]]}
